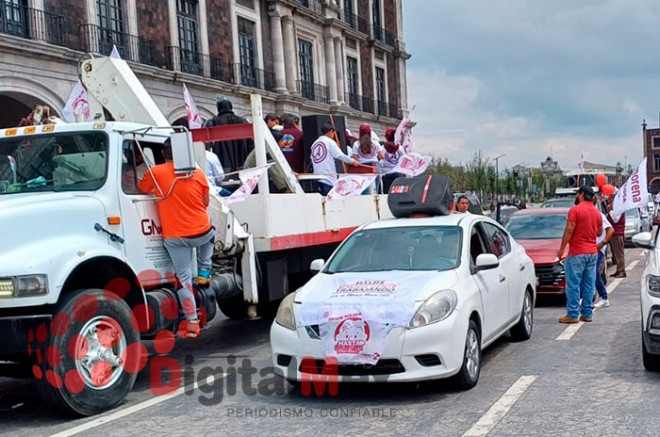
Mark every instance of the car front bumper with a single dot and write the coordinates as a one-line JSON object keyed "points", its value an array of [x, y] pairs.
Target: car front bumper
{"points": [[15, 337], [429, 352]]}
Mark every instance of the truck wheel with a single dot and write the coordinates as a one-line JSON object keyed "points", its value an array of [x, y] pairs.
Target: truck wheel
{"points": [[90, 353], [234, 308]]}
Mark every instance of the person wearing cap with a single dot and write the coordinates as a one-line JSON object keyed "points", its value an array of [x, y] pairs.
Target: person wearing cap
{"points": [[275, 174], [186, 226], [391, 157], [583, 227], [232, 154], [323, 153]]}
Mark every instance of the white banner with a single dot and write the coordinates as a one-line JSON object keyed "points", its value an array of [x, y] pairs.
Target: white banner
{"points": [[194, 119], [349, 186], [77, 104], [250, 178], [412, 164], [633, 194], [352, 339], [115, 53], [403, 135]]}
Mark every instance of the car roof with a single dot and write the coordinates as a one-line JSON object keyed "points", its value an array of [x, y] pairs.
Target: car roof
{"points": [[542, 211], [445, 220]]}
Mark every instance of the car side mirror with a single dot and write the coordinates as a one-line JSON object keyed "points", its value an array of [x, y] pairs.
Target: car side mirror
{"points": [[487, 261], [317, 265], [643, 240]]}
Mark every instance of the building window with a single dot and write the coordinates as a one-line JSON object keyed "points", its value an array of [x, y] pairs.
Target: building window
{"points": [[186, 14], [656, 163], [352, 76], [12, 18], [306, 60], [380, 91], [247, 53], [110, 14], [656, 142], [377, 20]]}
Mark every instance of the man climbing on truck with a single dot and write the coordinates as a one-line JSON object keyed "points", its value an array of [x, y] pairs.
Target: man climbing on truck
{"points": [[186, 225]]}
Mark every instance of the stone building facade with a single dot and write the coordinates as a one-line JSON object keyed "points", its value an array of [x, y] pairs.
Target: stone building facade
{"points": [[342, 57]]}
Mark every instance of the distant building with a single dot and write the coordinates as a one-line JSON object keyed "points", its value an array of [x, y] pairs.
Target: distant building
{"points": [[588, 175], [652, 153]]}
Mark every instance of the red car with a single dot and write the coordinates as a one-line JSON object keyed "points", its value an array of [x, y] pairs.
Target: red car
{"points": [[540, 231]]}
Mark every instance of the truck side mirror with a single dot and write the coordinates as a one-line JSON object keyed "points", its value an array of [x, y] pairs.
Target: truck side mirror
{"points": [[183, 155]]}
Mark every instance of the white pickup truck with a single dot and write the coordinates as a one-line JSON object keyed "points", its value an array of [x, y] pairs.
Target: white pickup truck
{"points": [[83, 272]]}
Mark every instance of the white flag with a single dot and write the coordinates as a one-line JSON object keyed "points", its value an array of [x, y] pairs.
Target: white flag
{"points": [[250, 178], [403, 135], [412, 164], [633, 194], [194, 119], [77, 105], [349, 186], [115, 53]]}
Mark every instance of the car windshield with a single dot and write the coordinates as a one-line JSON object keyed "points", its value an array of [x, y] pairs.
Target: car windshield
{"points": [[537, 227], [413, 248], [566, 202], [54, 162]]}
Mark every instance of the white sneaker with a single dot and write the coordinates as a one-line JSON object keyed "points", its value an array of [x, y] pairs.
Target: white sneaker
{"points": [[603, 303]]}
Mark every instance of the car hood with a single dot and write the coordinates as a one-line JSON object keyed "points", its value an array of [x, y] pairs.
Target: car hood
{"points": [[541, 251], [417, 286]]}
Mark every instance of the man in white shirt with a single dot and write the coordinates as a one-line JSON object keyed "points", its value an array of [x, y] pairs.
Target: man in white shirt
{"points": [[215, 172], [463, 205], [601, 242], [323, 153]]}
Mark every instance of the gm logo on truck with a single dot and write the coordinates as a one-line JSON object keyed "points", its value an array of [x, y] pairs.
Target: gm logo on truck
{"points": [[150, 227]]}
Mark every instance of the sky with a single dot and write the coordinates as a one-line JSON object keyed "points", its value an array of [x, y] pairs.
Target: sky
{"points": [[533, 78]]}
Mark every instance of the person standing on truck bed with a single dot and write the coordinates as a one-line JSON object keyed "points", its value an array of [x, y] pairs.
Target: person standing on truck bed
{"points": [[186, 226], [323, 153], [232, 154]]}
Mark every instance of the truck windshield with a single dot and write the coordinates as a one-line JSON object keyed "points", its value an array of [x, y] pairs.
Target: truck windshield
{"points": [[54, 162]]}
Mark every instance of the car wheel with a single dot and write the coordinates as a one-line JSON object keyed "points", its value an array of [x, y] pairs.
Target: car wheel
{"points": [[651, 361], [234, 308], [85, 371], [523, 329], [468, 376]]}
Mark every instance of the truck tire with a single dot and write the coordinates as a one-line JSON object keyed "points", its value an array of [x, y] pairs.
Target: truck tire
{"points": [[234, 308], [85, 367]]}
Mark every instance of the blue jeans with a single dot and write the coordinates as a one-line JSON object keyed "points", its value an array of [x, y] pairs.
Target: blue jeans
{"points": [[580, 283], [600, 285]]}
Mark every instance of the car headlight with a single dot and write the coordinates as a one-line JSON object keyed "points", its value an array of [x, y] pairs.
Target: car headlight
{"points": [[434, 309], [24, 286], [285, 315], [653, 285]]}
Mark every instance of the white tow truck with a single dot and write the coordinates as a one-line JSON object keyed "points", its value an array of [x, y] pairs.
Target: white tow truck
{"points": [[84, 276]]}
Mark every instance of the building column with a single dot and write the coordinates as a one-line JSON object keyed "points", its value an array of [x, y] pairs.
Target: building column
{"points": [[290, 54], [204, 38], [341, 71], [402, 86], [277, 41], [331, 69], [174, 36]]}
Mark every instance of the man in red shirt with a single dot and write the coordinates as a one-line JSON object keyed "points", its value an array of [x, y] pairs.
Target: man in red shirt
{"points": [[583, 227], [186, 226]]}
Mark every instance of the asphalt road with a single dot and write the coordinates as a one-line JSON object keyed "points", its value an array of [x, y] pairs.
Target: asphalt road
{"points": [[584, 380]]}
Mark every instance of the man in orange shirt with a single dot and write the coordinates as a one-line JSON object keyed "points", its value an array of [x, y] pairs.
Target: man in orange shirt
{"points": [[186, 225]]}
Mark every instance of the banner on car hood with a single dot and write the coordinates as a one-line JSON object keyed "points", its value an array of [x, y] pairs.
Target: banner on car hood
{"points": [[352, 339]]}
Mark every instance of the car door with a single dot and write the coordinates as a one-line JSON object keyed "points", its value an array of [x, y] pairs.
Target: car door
{"points": [[492, 286], [512, 266]]}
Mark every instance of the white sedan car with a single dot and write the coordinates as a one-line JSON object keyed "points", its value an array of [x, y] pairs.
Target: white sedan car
{"points": [[650, 300], [407, 300]]}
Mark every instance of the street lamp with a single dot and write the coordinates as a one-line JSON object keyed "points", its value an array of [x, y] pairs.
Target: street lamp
{"points": [[497, 188]]}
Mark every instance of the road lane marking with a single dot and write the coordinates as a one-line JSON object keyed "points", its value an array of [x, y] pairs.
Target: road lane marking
{"points": [[632, 265], [571, 330], [104, 420], [500, 408]]}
